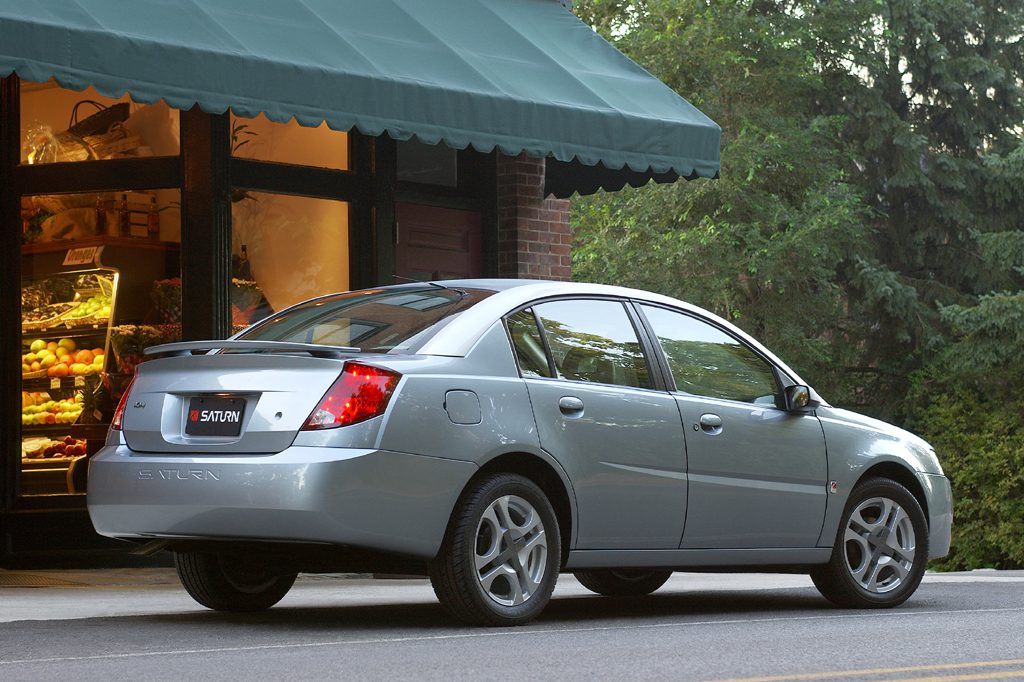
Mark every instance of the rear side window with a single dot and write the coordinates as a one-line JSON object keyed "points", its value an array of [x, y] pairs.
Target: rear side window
{"points": [[528, 344], [594, 340], [708, 362], [373, 320]]}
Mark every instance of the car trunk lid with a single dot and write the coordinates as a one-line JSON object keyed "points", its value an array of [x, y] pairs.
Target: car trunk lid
{"points": [[225, 402]]}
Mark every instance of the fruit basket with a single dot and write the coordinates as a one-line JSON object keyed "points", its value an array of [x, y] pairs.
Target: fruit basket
{"points": [[46, 316], [90, 311]]}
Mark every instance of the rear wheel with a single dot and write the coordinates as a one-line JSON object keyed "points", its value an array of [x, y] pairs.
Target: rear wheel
{"points": [[501, 553], [880, 551], [616, 582], [231, 582]]}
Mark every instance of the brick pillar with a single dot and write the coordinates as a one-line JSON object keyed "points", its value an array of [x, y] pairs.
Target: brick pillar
{"points": [[534, 240]]}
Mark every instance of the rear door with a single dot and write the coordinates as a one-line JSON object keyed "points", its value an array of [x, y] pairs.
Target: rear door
{"points": [[757, 474], [600, 413]]}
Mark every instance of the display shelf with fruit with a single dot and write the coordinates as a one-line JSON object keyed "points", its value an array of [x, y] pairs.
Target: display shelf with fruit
{"points": [[45, 316], [68, 301], [52, 450], [53, 466], [39, 409], [60, 358], [94, 310]]}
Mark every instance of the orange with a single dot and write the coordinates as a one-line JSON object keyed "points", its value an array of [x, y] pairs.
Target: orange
{"points": [[84, 357], [60, 370]]}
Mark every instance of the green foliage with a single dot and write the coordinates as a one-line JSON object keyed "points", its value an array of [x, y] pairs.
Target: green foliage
{"points": [[869, 221], [979, 436], [967, 403], [872, 173], [766, 244]]}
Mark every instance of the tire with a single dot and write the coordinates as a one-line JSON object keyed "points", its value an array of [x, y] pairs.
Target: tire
{"points": [[881, 548], [231, 582], [613, 582], [499, 513]]}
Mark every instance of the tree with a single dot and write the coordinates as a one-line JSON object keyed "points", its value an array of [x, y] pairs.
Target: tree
{"points": [[869, 222], [930, 95], [872, 172], [763, 246]]}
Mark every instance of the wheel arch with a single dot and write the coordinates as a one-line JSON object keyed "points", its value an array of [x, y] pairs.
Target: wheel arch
{"points": [[901, 474], [892, 467], [548, 478]]}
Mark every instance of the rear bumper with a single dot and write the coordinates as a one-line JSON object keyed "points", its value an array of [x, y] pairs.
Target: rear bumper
{"points": [[375, 499], [940, 513]]}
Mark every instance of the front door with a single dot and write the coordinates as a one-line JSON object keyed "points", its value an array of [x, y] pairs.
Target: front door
{"points": [[757, 474], [599, 415], [437, 243]]}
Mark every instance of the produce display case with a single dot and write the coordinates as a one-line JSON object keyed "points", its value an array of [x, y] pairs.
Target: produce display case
{"points": [[79, 303], [66, 323]]}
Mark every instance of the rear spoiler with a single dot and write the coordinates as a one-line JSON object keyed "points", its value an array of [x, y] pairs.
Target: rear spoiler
{"points": [[317, 351]]}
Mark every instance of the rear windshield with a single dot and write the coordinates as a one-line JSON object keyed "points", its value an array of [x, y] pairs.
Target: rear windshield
{"points": [[373, 320]]}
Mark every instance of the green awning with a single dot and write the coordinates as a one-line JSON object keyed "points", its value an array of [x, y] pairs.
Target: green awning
{"points": [[519, 75]]}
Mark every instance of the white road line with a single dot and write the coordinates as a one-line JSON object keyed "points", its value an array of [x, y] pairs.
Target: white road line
{"points": [[497, 633]]}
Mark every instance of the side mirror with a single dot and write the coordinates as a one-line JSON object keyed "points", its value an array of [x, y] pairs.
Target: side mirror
{"points": [[798, 398]]}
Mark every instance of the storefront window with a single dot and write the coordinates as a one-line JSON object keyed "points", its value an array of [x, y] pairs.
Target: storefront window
{"points": [[427, 164], [264, 140], [99, 284], [60, 125], [285, 249]]}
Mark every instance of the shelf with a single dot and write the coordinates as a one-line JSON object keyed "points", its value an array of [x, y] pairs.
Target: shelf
{"points": [[43, 383], [36, 463], [132, 242], [46, 430], [64, 332]]}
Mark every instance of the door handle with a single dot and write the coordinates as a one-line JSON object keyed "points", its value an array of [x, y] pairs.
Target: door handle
{"points": [[570, 406], [710, 424]]}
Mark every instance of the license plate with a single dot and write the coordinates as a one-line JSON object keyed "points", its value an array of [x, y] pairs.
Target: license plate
{"points": [[214, 416]]}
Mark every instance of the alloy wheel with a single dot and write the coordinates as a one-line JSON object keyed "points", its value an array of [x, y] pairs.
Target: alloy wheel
{"points": [[880, 545], [511, 551]]}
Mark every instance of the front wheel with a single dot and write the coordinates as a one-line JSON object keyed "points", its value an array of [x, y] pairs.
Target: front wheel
{"points": [[615, 582], [501, 553], [231, 582], [880, 551]]}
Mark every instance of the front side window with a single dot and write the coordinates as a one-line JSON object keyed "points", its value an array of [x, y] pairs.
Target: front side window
{"points": [[594, 340], [376, 320], [708, 362]]}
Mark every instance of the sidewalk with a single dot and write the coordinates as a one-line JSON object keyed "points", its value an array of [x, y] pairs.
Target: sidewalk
{"points": [[99, 593]]}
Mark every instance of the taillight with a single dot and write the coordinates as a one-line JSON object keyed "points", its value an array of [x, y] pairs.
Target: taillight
{"points": [[115, 423], [361, 392]]}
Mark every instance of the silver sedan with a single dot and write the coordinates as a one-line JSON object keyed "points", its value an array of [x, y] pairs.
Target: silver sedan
{"points": [[494, 433]]}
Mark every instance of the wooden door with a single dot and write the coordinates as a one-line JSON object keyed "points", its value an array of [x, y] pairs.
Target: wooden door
{"points": [[437, 243]]}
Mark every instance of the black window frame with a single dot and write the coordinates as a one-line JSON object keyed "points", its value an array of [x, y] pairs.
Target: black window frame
{"points": [[779, 375], [654, 367]]}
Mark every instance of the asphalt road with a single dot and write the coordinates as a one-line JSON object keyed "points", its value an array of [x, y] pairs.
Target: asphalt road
{"points": [[957, 627]]}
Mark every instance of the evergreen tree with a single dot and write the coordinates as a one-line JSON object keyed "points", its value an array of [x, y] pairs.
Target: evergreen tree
{"points": [[931, 96]]}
